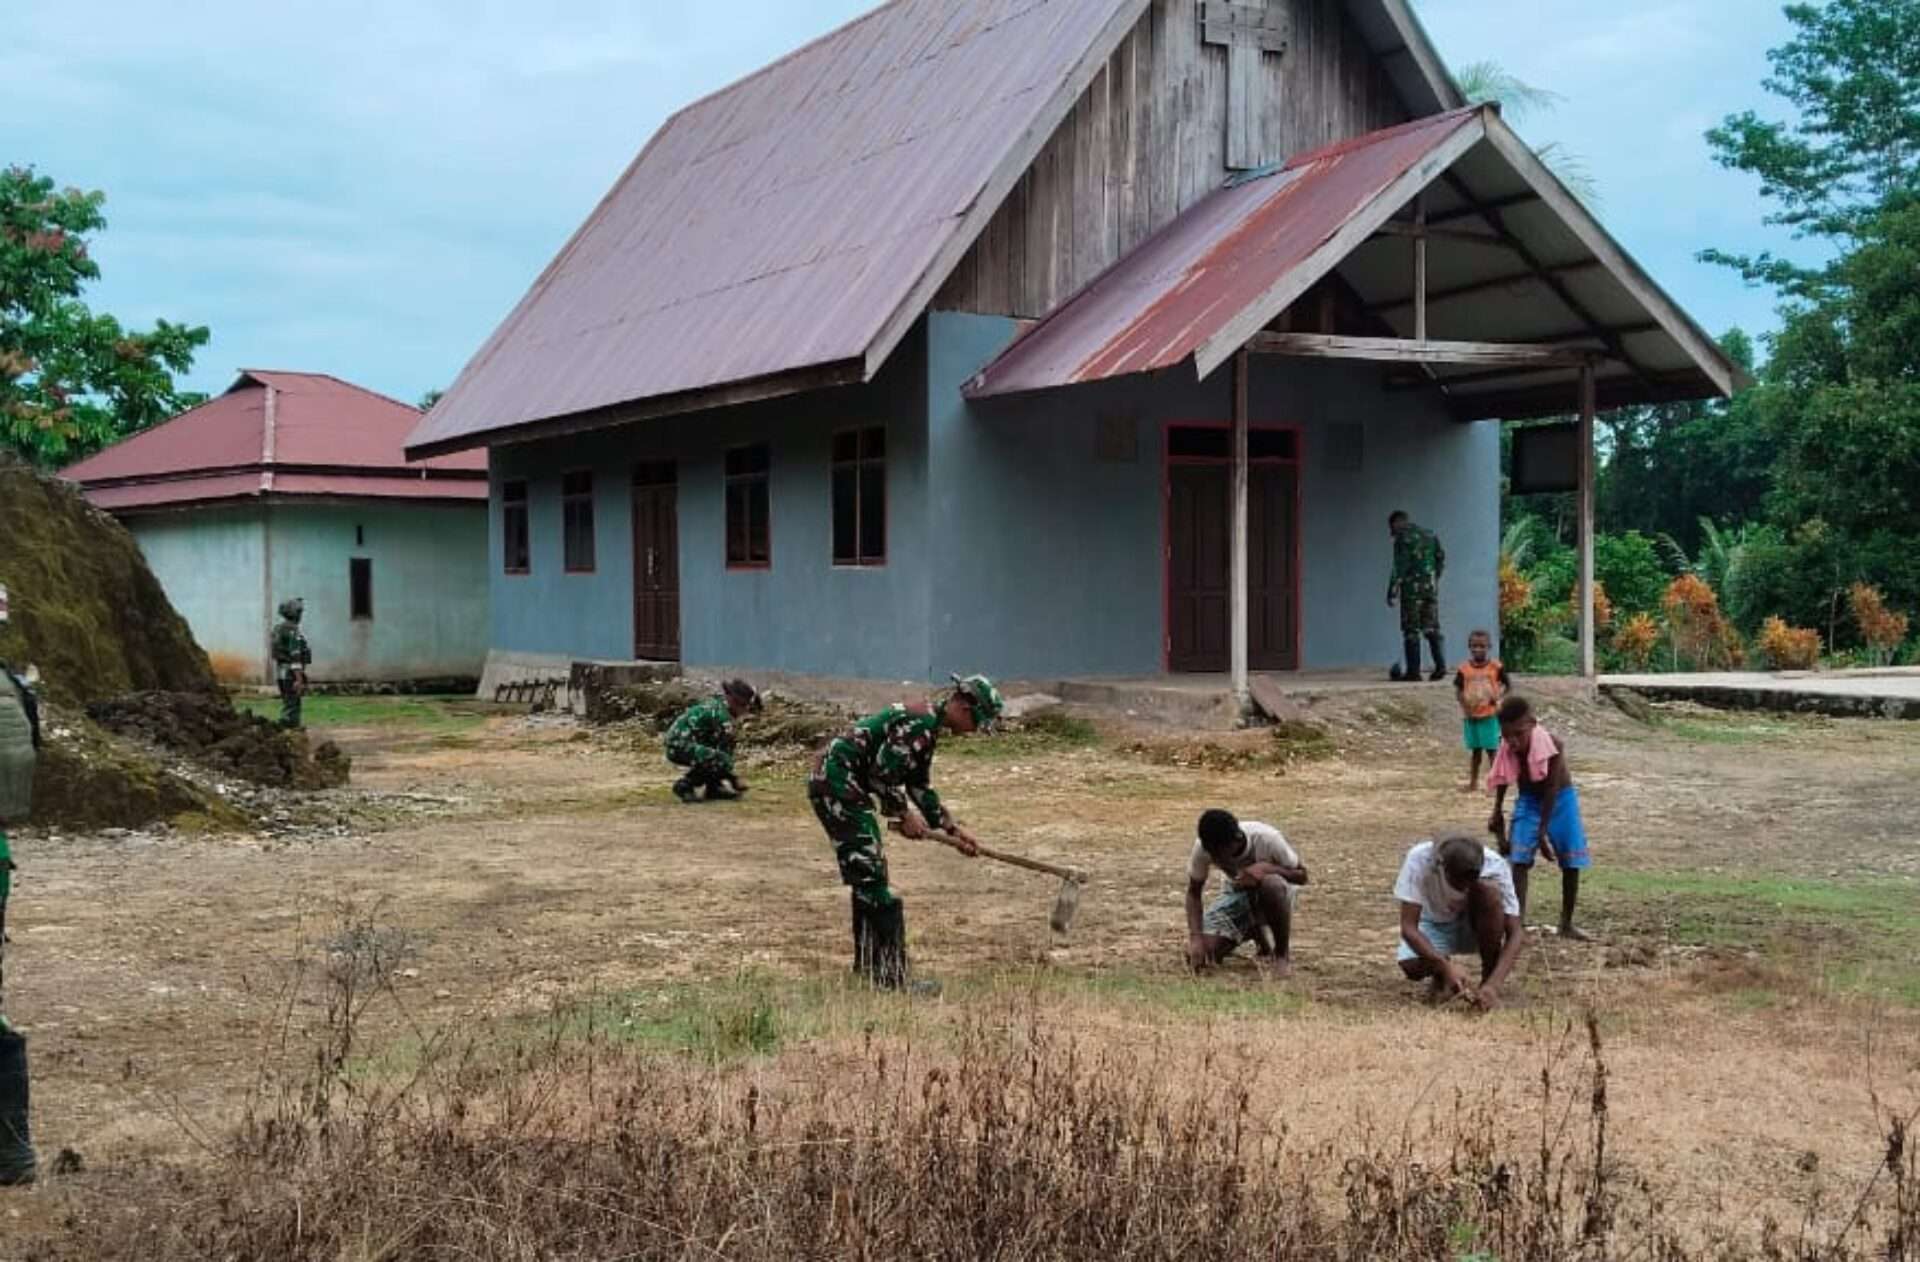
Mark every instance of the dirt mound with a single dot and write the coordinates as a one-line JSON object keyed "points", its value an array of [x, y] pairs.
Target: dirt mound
{"points": [[654, 706], [87, 779], [206, 728], [86, 609]]}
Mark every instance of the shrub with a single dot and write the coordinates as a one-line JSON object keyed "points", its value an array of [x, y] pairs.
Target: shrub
{"points": [[1602, 607], [1699, 632], [1882, 630], [1635, 640], [1789, 648], [1630, 567]]}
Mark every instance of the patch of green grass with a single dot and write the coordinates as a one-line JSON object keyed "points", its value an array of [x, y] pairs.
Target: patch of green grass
{"points": [[428, 716], [734, 1019], [1233, 993], [1553, 655], [1871, 923], [1045, 733]]}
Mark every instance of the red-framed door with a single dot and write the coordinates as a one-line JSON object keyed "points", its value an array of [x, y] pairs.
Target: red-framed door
{"points": [[1199, 541], [656, 562]]}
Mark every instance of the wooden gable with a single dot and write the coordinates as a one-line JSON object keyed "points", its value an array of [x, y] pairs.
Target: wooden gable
{"points": [[1196, 91]]}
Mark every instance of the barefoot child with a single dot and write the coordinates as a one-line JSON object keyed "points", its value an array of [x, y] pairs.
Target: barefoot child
{"points": [[1546, 811], [1457, 898], [1263, 879], [1481, 684]]}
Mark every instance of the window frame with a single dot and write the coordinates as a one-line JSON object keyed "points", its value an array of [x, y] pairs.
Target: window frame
{"points": [[357, 566], [516, 509], [572, 502], [748, 479], [861, 463]]}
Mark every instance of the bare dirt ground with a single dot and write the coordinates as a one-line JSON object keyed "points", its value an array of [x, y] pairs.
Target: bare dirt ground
{"points": [[1755, 895]]}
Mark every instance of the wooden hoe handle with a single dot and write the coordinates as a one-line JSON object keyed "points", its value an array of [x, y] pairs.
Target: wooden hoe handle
{"points": [[1000, 856]]}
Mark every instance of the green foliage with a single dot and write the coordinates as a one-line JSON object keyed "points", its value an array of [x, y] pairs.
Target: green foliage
{"points": [[1803, 577], [1629, 567], [1851, 73], [72, 381]]}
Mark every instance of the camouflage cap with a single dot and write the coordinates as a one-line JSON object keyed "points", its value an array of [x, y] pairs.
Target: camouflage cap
{"points": [[744, 692], [292, 609], [983, 697]]}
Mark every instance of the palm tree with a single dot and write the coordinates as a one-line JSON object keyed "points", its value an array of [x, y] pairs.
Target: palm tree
{"points": [[1484, 81]]}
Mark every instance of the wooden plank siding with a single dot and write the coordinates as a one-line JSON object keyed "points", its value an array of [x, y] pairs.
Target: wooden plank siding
{"points": [[1148, 139]]}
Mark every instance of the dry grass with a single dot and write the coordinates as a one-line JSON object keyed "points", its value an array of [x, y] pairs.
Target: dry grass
{"points": [[1002, 1139]]}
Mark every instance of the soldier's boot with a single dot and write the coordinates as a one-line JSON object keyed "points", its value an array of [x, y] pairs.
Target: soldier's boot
{"points": [[1410, 646], [718, 790], [683, 789], [18, 1163], [1438, 644]]}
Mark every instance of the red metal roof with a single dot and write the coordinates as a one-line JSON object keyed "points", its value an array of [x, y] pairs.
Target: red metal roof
{"points": [[1158, 306], [277, 433], [785, 222]]}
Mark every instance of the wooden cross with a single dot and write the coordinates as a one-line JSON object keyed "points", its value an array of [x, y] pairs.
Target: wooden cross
{"points": [[1249, 30]]}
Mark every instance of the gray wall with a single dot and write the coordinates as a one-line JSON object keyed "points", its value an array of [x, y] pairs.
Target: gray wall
{"points": [[803, 614], [211, 563], [429, 586], [227, 570], [1025, 554], [1064, 551]]}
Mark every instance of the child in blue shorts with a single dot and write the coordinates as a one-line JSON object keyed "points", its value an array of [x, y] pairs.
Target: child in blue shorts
{"points": [[1546, 809]]}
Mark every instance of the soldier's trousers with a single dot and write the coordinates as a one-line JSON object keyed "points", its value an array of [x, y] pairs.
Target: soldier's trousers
{"points": [[879, 915], [1419, 612], [706, 766], [289, 704]]}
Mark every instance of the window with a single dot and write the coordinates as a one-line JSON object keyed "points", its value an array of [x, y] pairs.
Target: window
{"points": [[749, 508], [860, 497], [513, 528], [576, 521], [360, 588]]}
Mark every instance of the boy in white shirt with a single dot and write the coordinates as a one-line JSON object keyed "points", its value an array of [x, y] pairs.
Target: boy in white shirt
{"points": [[1457, 898], [1263, 879]]}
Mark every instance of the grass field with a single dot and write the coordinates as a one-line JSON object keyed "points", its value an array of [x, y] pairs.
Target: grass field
{"points": [[565, 964]]}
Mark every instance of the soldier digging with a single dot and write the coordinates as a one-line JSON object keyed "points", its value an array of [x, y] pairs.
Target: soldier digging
{"points": [[702, 739], [889, 756]]}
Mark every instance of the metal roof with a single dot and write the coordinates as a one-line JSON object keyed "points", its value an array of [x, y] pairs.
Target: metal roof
{"points": [[277, 433], [1539, 270], [785, 232], [781, 224]]}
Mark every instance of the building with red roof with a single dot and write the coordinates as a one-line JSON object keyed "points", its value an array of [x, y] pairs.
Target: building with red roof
{"points": [[296, 484]]}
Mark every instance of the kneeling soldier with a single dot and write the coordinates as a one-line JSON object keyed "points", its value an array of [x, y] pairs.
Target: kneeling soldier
{"points": [[701, 740], [889, 756]]}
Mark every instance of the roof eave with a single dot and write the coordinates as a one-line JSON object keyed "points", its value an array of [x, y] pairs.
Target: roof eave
{"points": [[843, 372]]}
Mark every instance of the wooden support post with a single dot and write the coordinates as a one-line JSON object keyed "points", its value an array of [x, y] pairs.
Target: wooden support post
{"points": [[1420, 269], [1237, 581], [1587, 398]]}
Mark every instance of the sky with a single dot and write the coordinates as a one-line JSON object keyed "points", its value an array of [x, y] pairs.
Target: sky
{"points": [[366, 187]]}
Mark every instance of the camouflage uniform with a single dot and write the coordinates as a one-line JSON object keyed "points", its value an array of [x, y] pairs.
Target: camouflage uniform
{"points": [[701, 740], [291, 656], [1418, 563], [18, 698], [888, 756]]}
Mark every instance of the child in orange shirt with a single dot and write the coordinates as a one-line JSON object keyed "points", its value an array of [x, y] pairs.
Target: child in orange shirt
{"points": [[1480, 683]]}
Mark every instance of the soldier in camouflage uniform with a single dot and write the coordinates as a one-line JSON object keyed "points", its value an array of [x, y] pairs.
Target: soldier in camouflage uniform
{"points": [[889, 756], [1418, 563], [291, 657], [701, 740]]}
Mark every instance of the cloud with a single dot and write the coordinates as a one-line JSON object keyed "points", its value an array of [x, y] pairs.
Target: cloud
{"points": [[366, 187]]}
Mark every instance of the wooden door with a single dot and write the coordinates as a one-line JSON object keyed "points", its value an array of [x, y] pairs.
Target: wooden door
{"points": [[1273, 642], [656, 562], [1199, 562]]}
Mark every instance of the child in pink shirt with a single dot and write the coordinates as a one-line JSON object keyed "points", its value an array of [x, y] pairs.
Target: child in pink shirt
{"points": [[1546, 809]]}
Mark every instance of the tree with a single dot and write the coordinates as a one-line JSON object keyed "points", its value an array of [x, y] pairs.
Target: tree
{"points": [[1852, 74], [72, 381], [430, 398]]}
